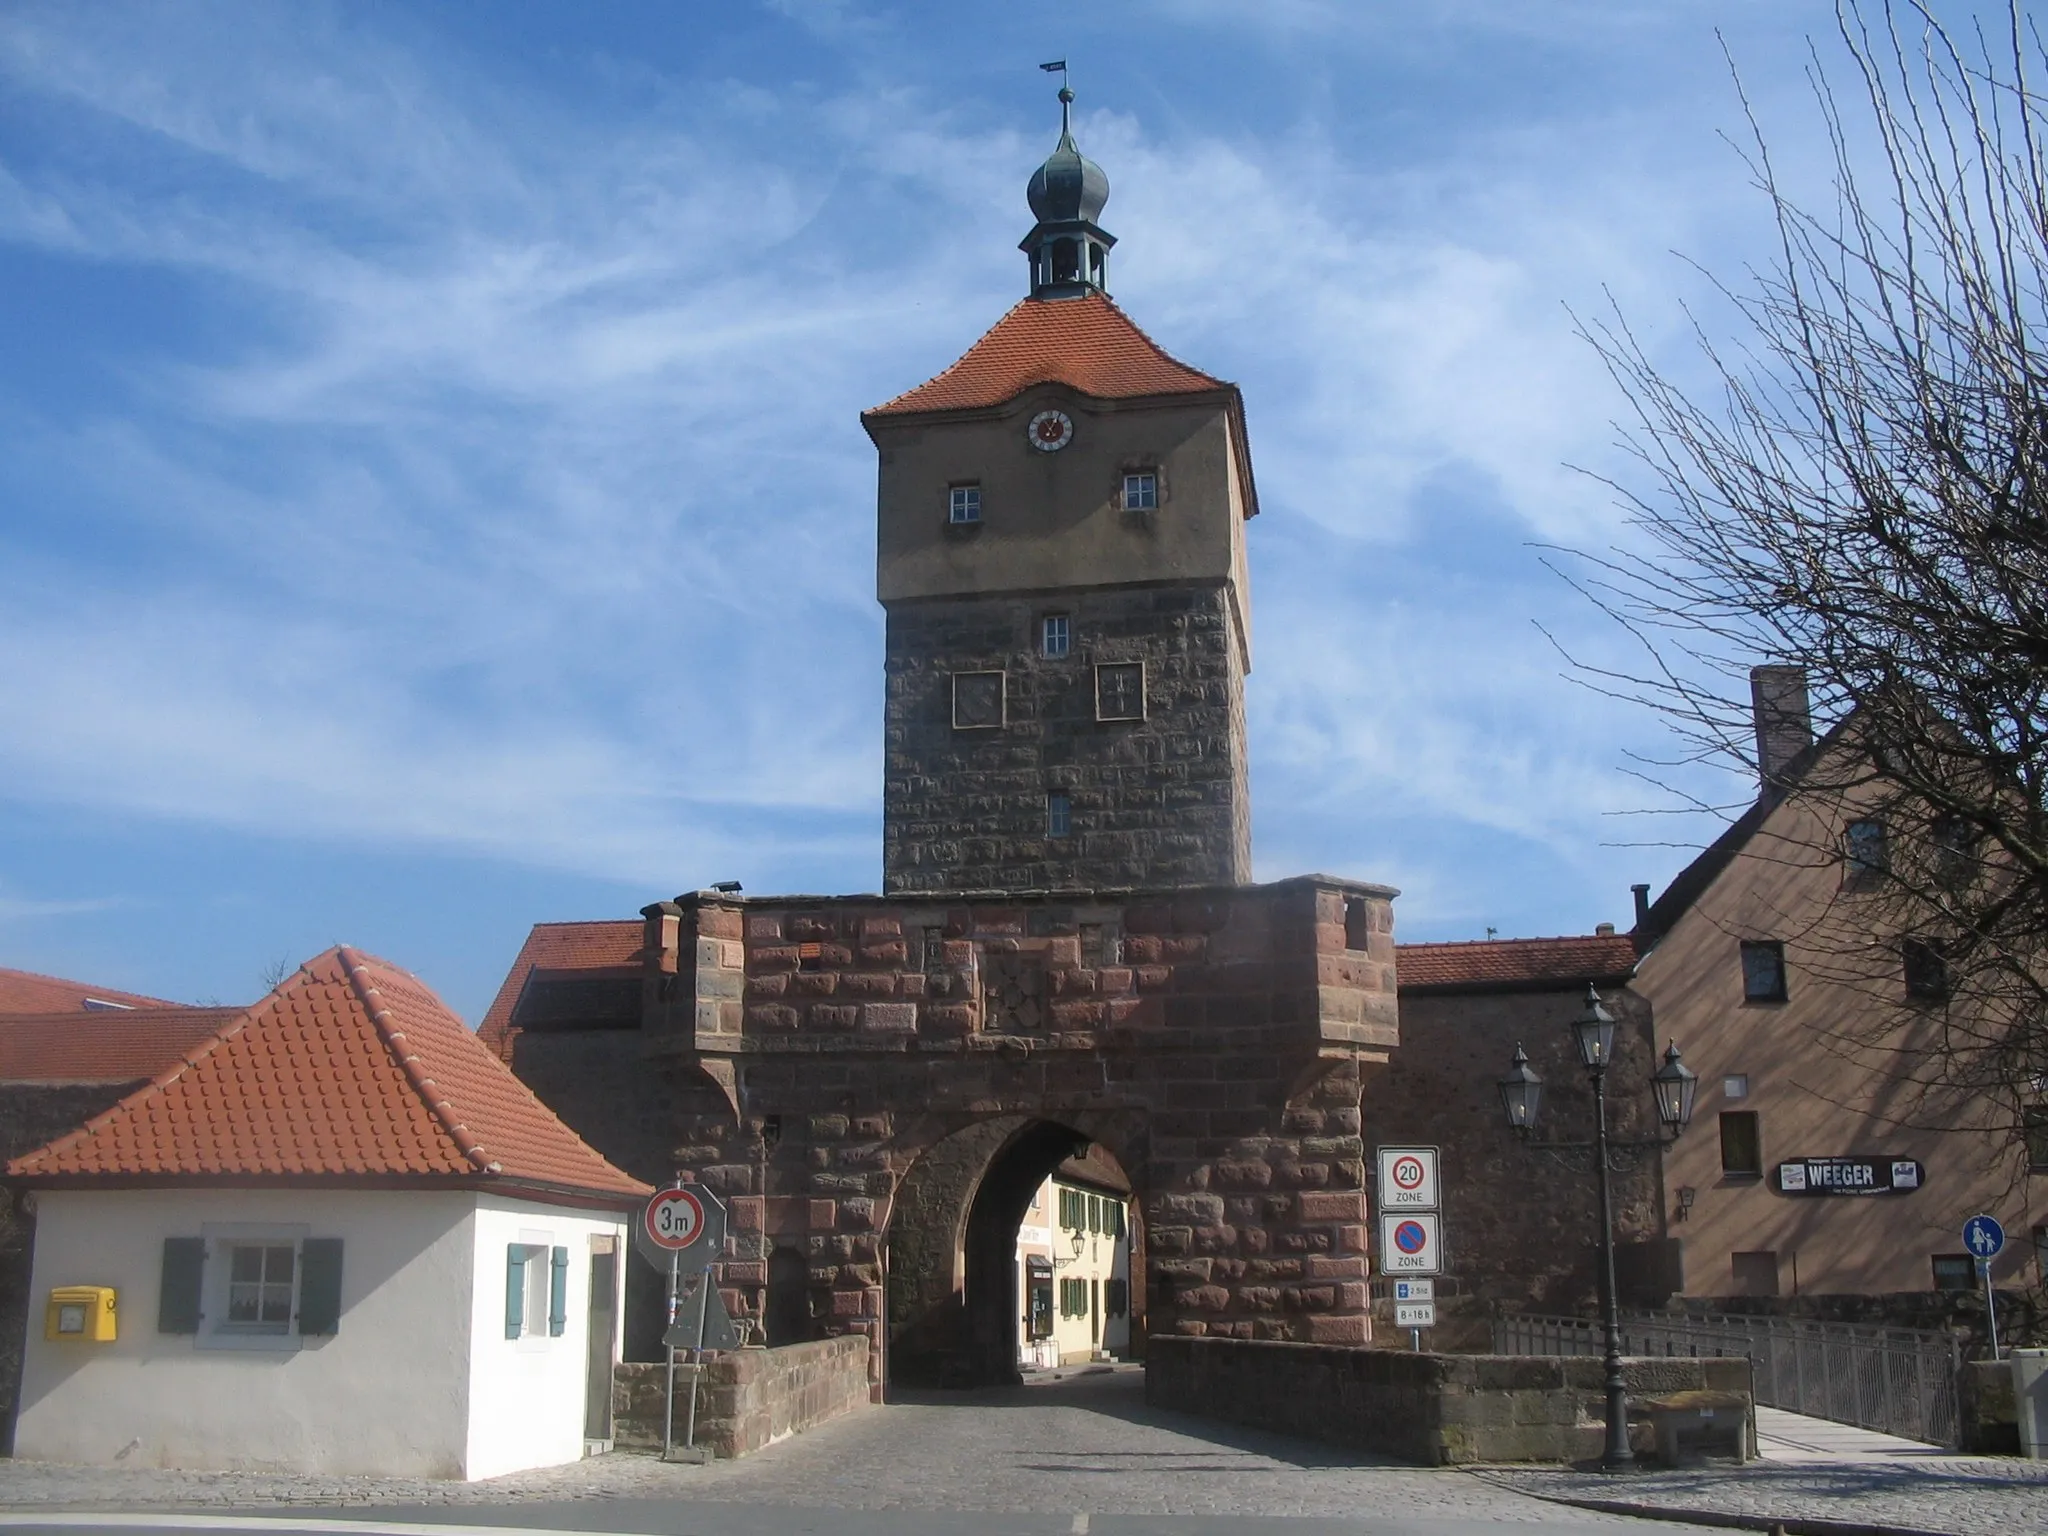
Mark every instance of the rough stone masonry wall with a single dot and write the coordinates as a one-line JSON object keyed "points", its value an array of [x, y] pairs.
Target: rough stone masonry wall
{"points": [[1439, 1410], [1157, 802], [1211, 1040], [748, 1398]]}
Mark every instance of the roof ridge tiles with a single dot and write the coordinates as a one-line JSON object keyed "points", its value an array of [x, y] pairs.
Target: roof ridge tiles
{"points": [[387, 1027]]}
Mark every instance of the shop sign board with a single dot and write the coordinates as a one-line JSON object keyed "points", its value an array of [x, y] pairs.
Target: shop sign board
{"points": [[1407, 1179], [1410, 1243], [1850, 1176]]}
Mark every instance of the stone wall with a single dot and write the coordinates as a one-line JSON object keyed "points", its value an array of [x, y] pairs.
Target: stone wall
{"points": [[748, 1398], [1987, 1409], [1521, 1225], [1439, 1410], [1155, 802], [1211, 1040]]}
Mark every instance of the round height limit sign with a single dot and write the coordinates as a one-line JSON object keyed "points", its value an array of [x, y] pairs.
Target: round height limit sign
{"points": [[684, 1226]]}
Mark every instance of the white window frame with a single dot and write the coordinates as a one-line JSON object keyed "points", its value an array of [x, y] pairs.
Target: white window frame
{"points": [[539, 1273], [963, 504], [1105, 666], [221, 1238], [1060, 625], [1141, 490]]}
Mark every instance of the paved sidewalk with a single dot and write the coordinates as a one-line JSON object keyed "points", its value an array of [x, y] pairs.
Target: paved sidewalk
{"points": [[1812, 1469]]}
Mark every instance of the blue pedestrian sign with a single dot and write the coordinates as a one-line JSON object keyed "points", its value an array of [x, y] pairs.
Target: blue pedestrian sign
{"points": [[1983, 1236]]}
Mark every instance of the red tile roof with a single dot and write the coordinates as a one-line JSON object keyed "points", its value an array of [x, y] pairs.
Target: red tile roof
{"points": [[1512, 964], [350, 1068], [1087, 344], [26, 992], [611, 946], [117, 1046]]}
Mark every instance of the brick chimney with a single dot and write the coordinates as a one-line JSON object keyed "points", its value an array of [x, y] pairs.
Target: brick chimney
{"points": [[1784, 724]]}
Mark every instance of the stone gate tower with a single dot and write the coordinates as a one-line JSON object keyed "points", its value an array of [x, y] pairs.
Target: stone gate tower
{"points": [[1061, 555]]}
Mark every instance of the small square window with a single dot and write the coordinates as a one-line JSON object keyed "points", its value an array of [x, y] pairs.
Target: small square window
{"points": [[2034, 1126], [963, 504], [1054, 635], [977, 701], [261, 1282], [1357, 923], [1058, 815], [1926, 964], [934, 950], [1735, 1086], [1955, 1272], [1866, 852], [1120, 691], [1763, 971], [1742, 1148], [1141, 492]]}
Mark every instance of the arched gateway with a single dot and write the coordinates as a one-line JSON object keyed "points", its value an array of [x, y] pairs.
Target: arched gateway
{"points": [[1066, 951]]}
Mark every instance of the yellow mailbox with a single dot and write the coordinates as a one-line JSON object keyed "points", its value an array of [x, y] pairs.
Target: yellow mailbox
{"points": [[81, 1312]]}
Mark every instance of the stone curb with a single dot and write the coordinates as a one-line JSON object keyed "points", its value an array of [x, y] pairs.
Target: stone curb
{"points": [[1791, 1525]]}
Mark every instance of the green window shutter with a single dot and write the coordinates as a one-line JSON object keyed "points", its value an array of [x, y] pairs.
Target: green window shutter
{"points": [[177, 1300], [320, 1286], [558, 1293], [515, 1289]]}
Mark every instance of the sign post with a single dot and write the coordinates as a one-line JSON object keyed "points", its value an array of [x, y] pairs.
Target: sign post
{"points": [[681, 1228], [1984, 1237], [1411, 1234]]}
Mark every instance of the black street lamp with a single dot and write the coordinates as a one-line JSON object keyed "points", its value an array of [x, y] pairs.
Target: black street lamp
{"points": [[1674, 1085]]}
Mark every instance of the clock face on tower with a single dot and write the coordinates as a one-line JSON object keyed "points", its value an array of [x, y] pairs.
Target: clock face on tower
{"points": [[1050, 431]]}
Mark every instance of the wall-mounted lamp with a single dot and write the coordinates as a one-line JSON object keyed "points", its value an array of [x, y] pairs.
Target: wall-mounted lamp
{"points": [[1686, 1195]]}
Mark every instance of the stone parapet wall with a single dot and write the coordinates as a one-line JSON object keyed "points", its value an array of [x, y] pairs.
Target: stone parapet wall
{"points": [[747, 1398], [1439, 1410]]}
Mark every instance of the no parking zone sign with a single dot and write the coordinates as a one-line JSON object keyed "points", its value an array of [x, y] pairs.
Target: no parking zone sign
{"points": [[1411, 1243]]}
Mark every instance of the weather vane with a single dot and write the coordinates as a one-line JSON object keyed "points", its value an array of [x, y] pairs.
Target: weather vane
{"points": [[1059, 67]]}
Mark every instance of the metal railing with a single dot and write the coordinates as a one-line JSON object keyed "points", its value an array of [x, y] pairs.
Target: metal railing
{"points": [[1898, 1380]]}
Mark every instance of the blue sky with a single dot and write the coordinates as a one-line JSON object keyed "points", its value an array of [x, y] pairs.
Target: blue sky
{"points": [[432, 498]]}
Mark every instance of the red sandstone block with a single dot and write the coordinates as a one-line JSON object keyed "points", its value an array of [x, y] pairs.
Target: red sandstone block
{"points": [[1142, 949], [811, 926], [1189, 1327], [890, 952], [1353, 1296], [770, 1016], [1079, 1015], [774, 957], [747, 1213], [834, 1015], [1113, 980], [764, 928], [857, 1214], [849, 1304], [911, 984], [743, 1272], [948, 1019], [959, 954], [864, 984], [824, 1215], [1340, 1329], [873, 929], [1317, 1267], [719, 923], [1000, 922], [1183, 947], [1153, 978], [768, 986], [1333, 1205], [1203, 1298]]}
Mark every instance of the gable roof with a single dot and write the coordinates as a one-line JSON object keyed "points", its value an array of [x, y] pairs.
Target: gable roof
{"points": [[1514, 965], [611, 947], [350, 1069], [119, 1045], [28, 992], [1087, 344]]}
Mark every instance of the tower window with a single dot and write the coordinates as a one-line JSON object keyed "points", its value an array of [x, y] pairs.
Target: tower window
{"points": [[963, 504], [1120, 691], [1066, 261], [1926, 969], [1867, 853], [1053, 636], [1058, 815], [977, 701], [1141, 491]]}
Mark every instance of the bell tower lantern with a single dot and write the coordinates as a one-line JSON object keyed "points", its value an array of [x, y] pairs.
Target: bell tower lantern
{"points": [[1060, 552]]}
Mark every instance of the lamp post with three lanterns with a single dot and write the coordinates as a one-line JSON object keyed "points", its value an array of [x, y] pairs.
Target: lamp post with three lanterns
{"points": [[1674, 1085]]}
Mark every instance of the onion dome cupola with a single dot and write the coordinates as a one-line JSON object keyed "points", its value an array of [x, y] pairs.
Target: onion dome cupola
{"points": [[1068, 250]]}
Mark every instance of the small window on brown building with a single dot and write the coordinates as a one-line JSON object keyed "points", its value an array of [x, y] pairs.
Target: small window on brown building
{"points": [[1866, 853], [1756, 1272], [2034, 1123], [1926, 965], [1763, 971], [1120, 690], [1742, 1145], [1955, 1272], [934, 950]]}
